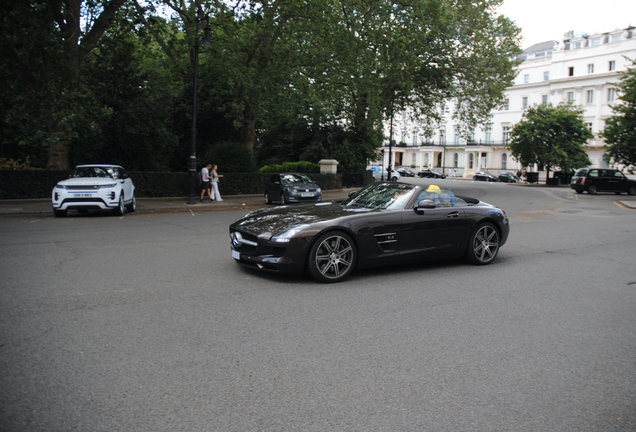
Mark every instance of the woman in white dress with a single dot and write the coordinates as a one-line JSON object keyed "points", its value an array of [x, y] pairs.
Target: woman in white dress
{"points": [[216, 196]]}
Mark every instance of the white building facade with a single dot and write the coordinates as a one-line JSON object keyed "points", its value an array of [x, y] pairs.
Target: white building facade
{"points": [[582, 69]]}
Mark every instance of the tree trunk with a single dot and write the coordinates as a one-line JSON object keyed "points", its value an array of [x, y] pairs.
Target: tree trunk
{"points": [[248, 132]]}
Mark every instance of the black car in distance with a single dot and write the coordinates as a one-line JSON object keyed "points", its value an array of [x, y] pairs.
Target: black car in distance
{"points": [[595, 180], [485, 176], [404, 172], [430, 173], [508, 177], [292, 188], [385, 223]]}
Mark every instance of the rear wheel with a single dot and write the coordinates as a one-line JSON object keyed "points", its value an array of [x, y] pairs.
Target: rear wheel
{"points": [[592, 190], [332, 257], [283, 201], [133, 205], [484, 244]]}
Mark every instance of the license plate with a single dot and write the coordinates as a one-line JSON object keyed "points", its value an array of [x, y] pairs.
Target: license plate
{"points": [[82, 195], [236, 255], [306, 194]]}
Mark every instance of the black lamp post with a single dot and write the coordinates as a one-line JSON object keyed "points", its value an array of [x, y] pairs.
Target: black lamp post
{"points": [[192, 165], [443, 143]]}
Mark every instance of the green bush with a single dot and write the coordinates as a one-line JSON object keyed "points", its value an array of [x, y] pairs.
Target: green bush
{"points": [[300, 167]]}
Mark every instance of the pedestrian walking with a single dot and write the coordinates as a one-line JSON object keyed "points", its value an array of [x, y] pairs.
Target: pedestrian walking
{"points": [[216, 196], [205, 181]]}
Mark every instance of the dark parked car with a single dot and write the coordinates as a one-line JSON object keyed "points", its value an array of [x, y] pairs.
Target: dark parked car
{"points": [[595, 180], [385, 223], [430, 173], [485, 176], [508, 177], [291, 188], [405, 172]]}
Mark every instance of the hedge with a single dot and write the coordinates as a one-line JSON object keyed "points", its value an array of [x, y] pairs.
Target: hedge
{"points": [[24, 184]]}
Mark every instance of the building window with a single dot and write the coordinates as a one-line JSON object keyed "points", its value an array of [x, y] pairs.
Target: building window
{"points": [[526, 79], [455, 160], [546, 76], [524, 102], [590, 96], [404, 137], [611, 94], [576, 45], [506, 134], [504, 161], [596, 41], [570, 97], [414, 139], [413, 160], [471, 137], [506, 104], [571, 71], [544, 99], [589, 126], [471, 161], [457, 136], [590, 68], [488, 134], [612, 65], [426, 159], [615, 37]]}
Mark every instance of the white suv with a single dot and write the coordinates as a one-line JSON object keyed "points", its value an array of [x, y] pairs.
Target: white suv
{"points": [[380, 173], [99, 187]]}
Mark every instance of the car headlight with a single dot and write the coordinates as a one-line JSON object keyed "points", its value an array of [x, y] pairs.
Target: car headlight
{"points": [[108, 186], [294, 191], [317, 189], [60, 186], [285, 236]]}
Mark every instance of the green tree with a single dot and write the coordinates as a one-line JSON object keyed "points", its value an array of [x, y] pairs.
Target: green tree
{"points": [[620, 129], [551, 136]]}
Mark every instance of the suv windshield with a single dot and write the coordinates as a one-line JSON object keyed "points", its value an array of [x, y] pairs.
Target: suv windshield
{"points": [[386, 196], [80, 172]]}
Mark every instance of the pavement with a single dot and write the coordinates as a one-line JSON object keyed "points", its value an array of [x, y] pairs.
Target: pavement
{"points": [[230, 202]]}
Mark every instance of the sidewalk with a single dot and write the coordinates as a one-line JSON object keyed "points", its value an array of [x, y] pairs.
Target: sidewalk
{"points": [[170, 204]]}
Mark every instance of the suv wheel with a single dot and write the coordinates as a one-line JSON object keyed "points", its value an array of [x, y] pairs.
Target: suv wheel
{"points": [[592, 190], [632, 190], [119, 210]]}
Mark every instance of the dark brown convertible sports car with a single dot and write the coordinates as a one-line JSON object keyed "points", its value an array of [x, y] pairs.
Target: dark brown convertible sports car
{"points": [[381, 224]]}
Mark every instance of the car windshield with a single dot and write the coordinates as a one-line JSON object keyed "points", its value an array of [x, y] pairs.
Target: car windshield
{"points": [[295, 178], [386, 196], [80, 172]]}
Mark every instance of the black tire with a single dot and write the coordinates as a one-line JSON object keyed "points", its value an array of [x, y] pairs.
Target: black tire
{"points": [[332, 257], [133, 205], [393, 178], [592, 190], [59, 213], [267, 198], [119, 210], [484, 244], [283, 201], [631, 190], [579, 191]]}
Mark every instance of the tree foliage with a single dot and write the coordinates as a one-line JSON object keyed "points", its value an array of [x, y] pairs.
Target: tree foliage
{"points": [[620, 129], [551, 136]]}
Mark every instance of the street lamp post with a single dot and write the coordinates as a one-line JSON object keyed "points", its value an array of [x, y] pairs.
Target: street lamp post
{"points": [[443, 143], [192, 164]]}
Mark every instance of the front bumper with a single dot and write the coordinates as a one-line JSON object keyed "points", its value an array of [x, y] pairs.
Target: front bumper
{"points": [[75, 200], [260, 253]]}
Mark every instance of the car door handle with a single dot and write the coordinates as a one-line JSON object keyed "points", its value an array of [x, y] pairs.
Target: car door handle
{"points": [[453, 215]]}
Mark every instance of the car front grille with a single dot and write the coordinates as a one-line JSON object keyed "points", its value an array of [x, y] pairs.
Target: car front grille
{"points": [[83, 187]]}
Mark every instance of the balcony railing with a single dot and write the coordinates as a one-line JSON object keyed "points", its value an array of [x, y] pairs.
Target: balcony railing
{"points": [[451, 145]]}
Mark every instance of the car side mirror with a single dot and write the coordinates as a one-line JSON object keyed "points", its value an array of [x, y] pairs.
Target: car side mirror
{"points": [[352, 193], [423, 205]]}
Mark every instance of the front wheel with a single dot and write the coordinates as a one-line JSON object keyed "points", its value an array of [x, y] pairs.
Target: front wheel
{"points": [[631, 190], [119, 210], [484, 244], [332, 257], [267, 199], [283, 201], [393, 178], [592, 190]]}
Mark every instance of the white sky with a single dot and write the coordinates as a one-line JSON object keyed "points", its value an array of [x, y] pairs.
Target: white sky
{"points": [[544, 20]]}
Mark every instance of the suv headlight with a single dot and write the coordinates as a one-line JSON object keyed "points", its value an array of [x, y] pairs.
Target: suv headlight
{"points": [[285, 236], [108, 186], [59, 186]]}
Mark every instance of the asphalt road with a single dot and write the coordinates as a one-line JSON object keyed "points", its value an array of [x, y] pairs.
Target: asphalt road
{"points": [[145, 323]]}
